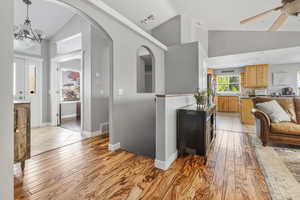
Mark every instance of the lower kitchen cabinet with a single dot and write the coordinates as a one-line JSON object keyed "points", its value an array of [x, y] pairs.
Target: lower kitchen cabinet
{"points": [[227, 103], [245, 111]]}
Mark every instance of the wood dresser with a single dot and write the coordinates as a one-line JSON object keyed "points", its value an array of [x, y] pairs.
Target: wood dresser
{"points": [[21, 132], [196, 129]]}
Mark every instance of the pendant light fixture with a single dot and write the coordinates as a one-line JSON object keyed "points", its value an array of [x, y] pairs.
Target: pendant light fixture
{"points": [[25, 31]]}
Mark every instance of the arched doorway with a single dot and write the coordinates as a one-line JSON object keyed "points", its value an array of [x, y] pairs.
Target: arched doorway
{"points": [[76, 38]]}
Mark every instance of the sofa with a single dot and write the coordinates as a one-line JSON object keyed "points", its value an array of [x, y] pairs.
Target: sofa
{"points": [[282, 132]]}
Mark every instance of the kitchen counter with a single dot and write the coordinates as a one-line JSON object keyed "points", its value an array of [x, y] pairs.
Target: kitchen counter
{"points": [[248, 97]]}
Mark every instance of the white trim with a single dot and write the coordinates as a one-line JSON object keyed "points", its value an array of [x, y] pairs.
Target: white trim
{"points": [[33, 58], [164, 165], [68, 116], [117, 16], [45, 124], [114, 147], [54, 85], [69, 56], [88, 134], [68, 38]]}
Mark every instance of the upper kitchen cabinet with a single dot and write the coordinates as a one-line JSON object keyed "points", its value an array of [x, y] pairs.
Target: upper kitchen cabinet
{"points": [[256, 76]]}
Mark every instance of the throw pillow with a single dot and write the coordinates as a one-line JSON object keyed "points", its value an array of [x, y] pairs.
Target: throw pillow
{"points": [[297, 105], [288, 105], [274, 111]]}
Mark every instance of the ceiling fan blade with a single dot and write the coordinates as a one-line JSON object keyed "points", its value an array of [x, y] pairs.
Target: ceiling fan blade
{"points": [[279, 22], [260, 15]]}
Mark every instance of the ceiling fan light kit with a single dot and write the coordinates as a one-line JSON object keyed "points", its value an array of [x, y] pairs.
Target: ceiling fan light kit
{"points": [[288, 8]]}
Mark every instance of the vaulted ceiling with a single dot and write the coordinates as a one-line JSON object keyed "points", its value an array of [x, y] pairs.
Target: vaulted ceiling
{"points": [[46, 16], [213, 14]]}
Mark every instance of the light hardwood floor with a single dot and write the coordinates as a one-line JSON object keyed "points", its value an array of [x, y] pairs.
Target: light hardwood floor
{"points": [[87, 170], [49, 138]]}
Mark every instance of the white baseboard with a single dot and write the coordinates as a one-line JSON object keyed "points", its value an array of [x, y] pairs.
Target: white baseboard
{"points": [[164, 165], [88, 134], [114, 147], [68, 116], [44, 124]]}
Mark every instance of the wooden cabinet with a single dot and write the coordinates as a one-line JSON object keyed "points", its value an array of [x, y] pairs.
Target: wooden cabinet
{"points": [[21, 133], [250, 76], [233, 104], [196, 129], [222, 104], [242, 77], [227, 103], [245, 111], [210, 71], [262, 76], [256, 76]]}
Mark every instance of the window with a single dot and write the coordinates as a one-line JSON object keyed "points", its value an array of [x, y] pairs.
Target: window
{"points": [[228, 83], [71, 44], [145, 71], [32, 80]]}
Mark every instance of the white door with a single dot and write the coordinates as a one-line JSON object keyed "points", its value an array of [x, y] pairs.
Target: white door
{"points": [[28, 87], [19, 79]]}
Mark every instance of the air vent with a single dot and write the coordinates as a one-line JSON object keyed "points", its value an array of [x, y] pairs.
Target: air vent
{"points": [[148, 19], [231, 71]]}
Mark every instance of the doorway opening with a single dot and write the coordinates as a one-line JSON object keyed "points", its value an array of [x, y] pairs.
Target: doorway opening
{"points": [[66, 78], [67, 85]]}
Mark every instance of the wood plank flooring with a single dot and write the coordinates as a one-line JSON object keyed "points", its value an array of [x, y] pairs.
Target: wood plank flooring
{"points": [[87, 170]]}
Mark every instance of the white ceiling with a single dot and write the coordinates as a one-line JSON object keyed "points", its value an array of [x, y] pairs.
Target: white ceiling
{"points": [[137, 10], [276, 56], [213, 14], [46, 16]]}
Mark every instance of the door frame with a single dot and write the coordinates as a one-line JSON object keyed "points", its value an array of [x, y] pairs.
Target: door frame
{"points": [[40, 62], [54, 86]]}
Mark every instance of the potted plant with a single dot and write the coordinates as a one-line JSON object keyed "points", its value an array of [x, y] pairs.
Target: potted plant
{"points": [[201, 98]]}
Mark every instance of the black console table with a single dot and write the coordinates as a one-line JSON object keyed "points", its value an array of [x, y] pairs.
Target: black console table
{"points": [[196, 129]]}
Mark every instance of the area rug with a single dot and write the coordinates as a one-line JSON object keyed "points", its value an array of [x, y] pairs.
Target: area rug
{"points": [[281, 167]]}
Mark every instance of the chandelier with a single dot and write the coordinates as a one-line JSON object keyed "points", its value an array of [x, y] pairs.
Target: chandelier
{"points": [[25, 31]]}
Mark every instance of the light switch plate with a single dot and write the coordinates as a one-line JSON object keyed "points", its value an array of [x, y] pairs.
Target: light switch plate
{"points": [[121, 92]]}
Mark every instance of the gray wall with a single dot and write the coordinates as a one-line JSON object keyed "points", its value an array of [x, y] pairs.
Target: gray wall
{"points": [[182, 64], [185, 69], [6, 100], [181, 29], [291, 69], [132, 116], [234, 42], [100, 60], [169, 32]]}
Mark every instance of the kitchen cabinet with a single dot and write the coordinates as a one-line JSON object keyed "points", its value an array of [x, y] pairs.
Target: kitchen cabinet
{"points": [[227, 103], [256, 76], [262, 76], [247, 105], [233, 104], [242, 77], [22, 135]]}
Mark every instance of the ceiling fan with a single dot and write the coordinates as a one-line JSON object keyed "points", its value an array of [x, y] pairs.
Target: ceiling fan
{"points": [[288, 8]]}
